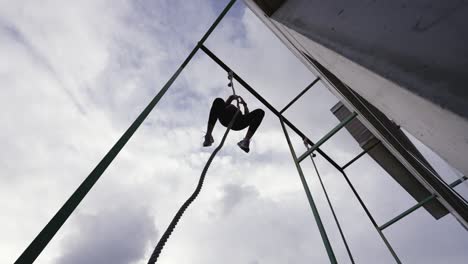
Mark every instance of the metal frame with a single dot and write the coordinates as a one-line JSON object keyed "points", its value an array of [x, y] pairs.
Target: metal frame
{"points": [[267, 104], [418, 205], [348, 250], [317, 148], [48, 232], [328, 136], [318, 220], [308, 141]]}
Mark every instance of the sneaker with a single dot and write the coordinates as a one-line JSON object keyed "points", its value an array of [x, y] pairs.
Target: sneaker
{"points": [[244, 145], [209, 140]]}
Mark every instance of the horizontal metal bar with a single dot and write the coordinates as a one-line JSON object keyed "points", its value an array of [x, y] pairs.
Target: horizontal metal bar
{"points": [[327, 136], [361, 154], [418, 205], [457, 182], [300, 94], [268, 105]]}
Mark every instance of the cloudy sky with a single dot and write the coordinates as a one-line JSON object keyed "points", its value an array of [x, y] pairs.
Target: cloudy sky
{"points": [[75, 74]]}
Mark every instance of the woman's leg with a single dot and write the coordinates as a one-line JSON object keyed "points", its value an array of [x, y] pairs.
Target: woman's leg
{"points": [[255, 118], [215, 112]]}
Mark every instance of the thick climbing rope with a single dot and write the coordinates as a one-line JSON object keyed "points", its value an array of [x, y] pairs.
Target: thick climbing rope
{"points": [[159, 247]]}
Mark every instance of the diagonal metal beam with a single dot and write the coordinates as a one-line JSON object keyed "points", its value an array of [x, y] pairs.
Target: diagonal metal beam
{"points": [[45, 236], [318, 220], [348, 250]]}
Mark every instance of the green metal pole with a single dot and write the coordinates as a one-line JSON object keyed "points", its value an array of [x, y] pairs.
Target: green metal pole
{"points": [[45, 236], [360, 154], [348, 250], [327, 136], [418, 205], [371, 218], [318, 220]]}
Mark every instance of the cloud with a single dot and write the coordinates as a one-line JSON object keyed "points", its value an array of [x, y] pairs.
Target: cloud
{"points": [[233, 196], [114, 235], [243, 227], [74, 77]]}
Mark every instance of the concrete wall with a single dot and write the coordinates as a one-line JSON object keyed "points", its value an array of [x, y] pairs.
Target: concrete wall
{"points": [[408, 58]]}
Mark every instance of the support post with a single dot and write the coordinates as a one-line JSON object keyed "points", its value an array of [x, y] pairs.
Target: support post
{"points": [[418, 205], [327, 136], [45, 236], [331, 208], [318, 220]]}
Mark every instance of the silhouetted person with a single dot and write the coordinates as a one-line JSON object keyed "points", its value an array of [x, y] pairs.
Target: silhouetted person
{"points": [[224, 112]]}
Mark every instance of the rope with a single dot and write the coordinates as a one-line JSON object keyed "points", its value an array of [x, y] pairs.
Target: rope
{"points": [[329, 204], [231, 84], [159, 247], [187, 203]]}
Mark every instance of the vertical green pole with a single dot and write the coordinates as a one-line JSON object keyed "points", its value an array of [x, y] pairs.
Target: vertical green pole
{"points": [[371, 218], [348, 250], [318, 220], [45, 236]]}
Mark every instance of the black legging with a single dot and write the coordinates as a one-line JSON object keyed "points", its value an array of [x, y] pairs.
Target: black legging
{"points": [[225, 112]]}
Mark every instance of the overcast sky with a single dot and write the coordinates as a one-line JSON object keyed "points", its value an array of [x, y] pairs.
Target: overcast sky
{"points": [[75, 74]]}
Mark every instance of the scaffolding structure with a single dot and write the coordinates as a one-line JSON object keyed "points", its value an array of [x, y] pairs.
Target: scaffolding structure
{"points": [[48, 232]]}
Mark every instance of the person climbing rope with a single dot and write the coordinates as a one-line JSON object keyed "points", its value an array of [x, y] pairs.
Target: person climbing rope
{"points": [[224, 112]]}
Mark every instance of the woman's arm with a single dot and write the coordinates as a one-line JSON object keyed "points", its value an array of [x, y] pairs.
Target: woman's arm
{"points": [[231, 98], [246, 109]]}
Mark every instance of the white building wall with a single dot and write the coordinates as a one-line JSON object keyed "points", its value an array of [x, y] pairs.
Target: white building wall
{"points": [[408, 58]]}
